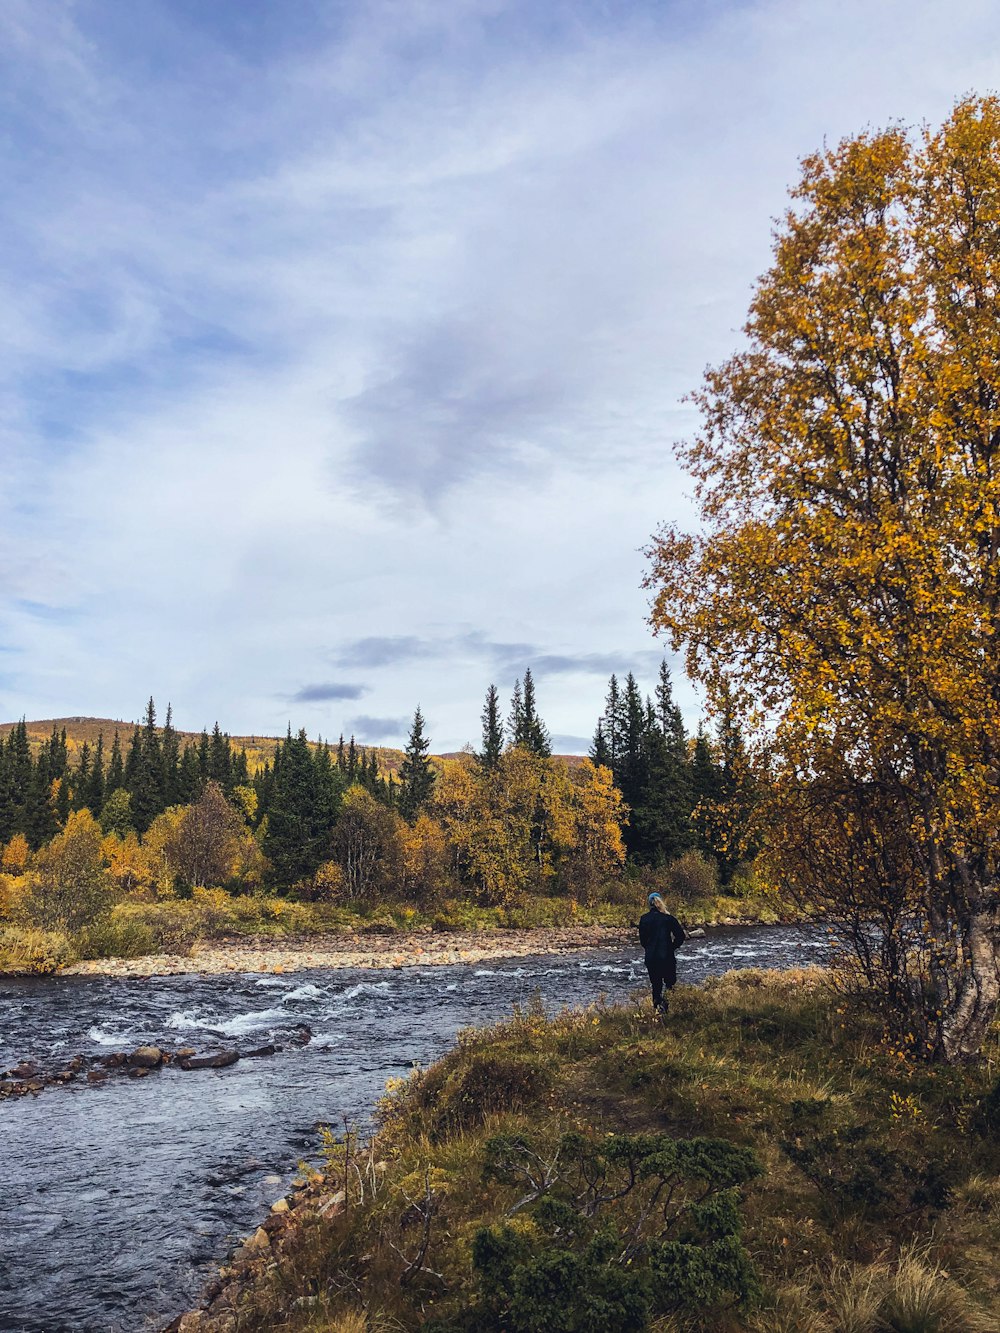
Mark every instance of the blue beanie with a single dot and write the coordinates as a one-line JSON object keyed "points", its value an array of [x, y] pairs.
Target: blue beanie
{"points": [[652, 898]]}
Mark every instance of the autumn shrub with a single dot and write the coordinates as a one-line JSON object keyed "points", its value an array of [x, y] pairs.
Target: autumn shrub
{"points": [[115, 936], [7, 896], [68, 886], [175, 923], [15, 855], [34, 951], [367, 845], [485, 1084], [692, 878]]}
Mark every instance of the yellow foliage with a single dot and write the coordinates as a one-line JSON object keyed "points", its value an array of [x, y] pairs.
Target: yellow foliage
{"points": [[15, 855], [846, 580], [128, 863]]}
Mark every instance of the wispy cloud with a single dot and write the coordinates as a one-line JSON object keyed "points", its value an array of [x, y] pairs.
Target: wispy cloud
{"points": [[368, 326], [372, 729], [402, 650], [310, 694]]}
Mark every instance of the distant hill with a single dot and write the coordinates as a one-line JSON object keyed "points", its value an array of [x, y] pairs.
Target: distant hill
{"points": [[259, 748], [79, 729]]}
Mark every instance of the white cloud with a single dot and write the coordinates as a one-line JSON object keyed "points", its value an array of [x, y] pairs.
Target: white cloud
{"points": [[387, 337]]}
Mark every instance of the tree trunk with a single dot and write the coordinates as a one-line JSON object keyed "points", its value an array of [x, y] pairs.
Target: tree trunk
{"points": [[971, 1007]]}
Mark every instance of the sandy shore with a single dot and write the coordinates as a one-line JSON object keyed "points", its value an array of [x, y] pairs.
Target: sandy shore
{"points": [[351, 950]]}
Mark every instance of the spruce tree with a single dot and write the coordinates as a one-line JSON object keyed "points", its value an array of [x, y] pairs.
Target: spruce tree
{"points": [[614, 728], [81, 778], [489, 755], [301, 809], [662, 816], [169, 761], [416, 774], [534, 733], [116, 769], [8, 806], [220, 759], [144, 772], [515, 719], [94, 796], [188, 781], [39, 818], [600, 751], [204, 766]]}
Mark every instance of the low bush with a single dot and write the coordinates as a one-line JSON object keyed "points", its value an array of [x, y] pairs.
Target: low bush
{"points": [[692, 878], [115, 936], [34, 952]]}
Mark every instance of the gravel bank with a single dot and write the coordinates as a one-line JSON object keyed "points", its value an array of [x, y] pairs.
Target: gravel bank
{"points": [[351, 950]]}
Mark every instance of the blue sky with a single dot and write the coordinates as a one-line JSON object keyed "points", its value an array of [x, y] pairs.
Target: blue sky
{"points": [[345, 344]]}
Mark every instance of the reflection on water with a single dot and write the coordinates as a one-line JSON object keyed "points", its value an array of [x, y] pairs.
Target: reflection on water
{"points": [[118, 1198]]}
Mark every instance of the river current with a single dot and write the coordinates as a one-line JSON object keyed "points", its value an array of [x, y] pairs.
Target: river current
{"points": [[118, 1200]]}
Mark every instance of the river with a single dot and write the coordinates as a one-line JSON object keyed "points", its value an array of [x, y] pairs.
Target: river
{"points": [[118, 1200]]}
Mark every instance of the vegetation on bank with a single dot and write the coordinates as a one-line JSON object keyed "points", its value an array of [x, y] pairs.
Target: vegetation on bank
{"points": [[757, 1162], [175, 844], [139, 923]]}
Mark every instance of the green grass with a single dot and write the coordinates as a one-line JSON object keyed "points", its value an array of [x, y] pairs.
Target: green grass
{"points": [[878, 1207]]}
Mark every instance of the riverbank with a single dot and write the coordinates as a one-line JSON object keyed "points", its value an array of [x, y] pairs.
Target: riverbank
{"points": [[397, 950], [811, 1183], [417, 947]]}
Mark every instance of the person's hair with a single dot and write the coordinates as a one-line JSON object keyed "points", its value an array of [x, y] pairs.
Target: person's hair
{"points": [[656, 901]]}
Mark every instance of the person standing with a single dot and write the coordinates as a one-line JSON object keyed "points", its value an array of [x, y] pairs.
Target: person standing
{"points": [[660, 934]]}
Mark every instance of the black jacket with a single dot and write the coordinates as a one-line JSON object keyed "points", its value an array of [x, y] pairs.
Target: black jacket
{"points": [[660, 934]]}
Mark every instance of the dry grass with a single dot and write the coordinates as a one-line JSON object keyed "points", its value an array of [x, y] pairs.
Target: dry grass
{"points": [[874, 1214]]}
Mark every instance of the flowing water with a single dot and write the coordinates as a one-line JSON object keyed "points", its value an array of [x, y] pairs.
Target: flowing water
{"points": [[118, 1199]]}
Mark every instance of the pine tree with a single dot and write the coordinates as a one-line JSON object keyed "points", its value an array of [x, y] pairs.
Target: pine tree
{"points": [[416, 775], [489, 755]]}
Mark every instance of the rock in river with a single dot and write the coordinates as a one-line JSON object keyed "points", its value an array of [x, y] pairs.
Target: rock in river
{"points": [[220, 1061], [146, 1057]]}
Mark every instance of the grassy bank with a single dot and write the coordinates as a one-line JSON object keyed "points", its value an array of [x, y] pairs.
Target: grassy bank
{"points": [[139, 926], [542, 1176]]}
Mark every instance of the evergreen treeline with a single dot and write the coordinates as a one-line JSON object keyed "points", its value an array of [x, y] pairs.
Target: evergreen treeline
{"points": [[122, 787], [680, 796]]}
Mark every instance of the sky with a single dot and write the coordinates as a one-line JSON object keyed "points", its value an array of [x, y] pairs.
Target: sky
{"points": [[345, 345]]}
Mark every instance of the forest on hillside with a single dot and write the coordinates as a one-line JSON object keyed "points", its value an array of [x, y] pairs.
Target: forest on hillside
{"points": [[161, 820]]}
